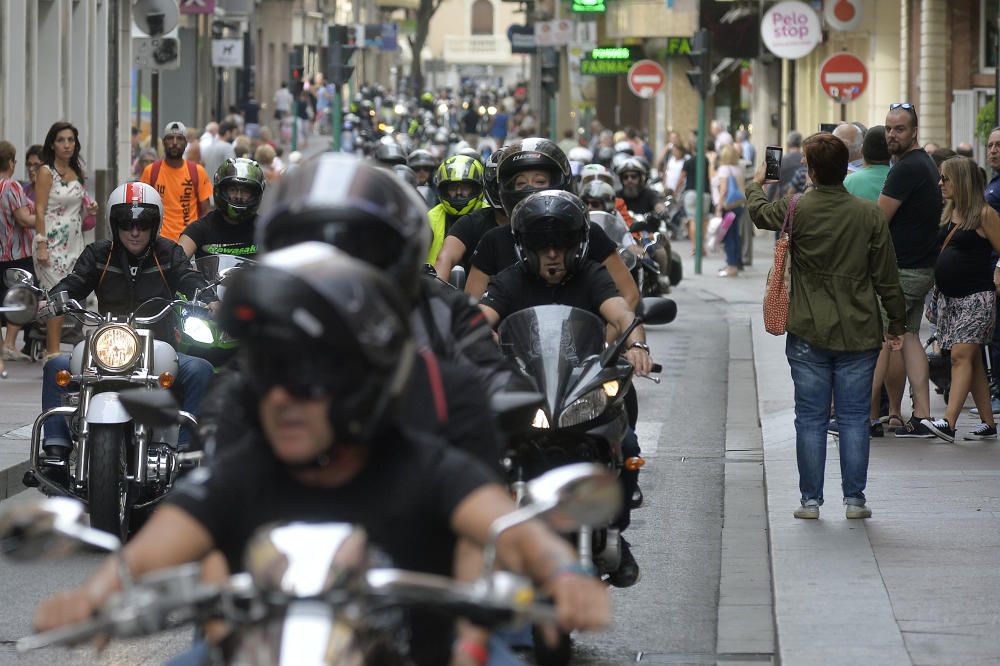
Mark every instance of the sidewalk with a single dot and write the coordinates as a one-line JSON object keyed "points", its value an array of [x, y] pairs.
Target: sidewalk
{"points": [[915, 584]]}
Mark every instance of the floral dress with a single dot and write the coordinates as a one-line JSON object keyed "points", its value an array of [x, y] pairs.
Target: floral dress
{"points": [[63, 230]]}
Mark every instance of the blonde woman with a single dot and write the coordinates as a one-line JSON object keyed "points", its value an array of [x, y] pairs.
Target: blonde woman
{"points": [[59, 212], [965, 296], [731, 200]]}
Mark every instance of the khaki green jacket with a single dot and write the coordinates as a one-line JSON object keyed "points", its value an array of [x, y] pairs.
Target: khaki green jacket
{"points": [[841, 258]]}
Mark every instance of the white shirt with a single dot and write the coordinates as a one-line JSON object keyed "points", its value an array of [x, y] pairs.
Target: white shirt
{"points": [[674, 167], [283, 100]]}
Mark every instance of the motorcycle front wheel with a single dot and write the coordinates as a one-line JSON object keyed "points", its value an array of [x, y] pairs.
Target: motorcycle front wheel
{"points": [[107, 485]]}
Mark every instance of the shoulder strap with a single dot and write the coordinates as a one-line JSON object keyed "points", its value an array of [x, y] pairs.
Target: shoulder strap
{"points": [[789, 214], [948, 239], [154, 172], [193, 171]]}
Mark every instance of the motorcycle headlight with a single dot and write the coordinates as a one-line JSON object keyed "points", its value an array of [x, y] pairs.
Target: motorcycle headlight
{"points": [[584, 409], [540, 420], [198, 330], [115, 347]]}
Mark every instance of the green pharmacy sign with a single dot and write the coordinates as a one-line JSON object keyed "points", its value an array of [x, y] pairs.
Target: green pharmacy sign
{"points": [[609, 61], [590, 6]]}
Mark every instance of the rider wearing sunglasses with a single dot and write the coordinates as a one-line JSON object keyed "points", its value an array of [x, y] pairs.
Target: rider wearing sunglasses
{"points": [[134, 265]]}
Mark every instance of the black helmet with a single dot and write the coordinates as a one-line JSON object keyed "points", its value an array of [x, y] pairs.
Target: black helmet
{"points": [[245, 174], [531, 154], [421, 158], [599, 190], [389, 153], [406, 173], [351, 204], [550, 218], [318, 322], [491, 184]]}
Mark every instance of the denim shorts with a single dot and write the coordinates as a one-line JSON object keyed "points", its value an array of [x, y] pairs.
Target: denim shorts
{"points": [[691, 201], [916, 283]]}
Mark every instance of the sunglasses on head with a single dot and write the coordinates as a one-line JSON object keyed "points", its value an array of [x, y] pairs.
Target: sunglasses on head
{"points": [[906, 106]]}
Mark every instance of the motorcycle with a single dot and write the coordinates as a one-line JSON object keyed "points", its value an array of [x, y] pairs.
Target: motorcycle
{"points": [[311, 593], [118, 467], [583, 419], [668, 271], [203, 338]]}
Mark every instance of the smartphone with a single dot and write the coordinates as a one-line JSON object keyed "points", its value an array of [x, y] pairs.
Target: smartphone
{"points": [[827, 127], [772, 157]]}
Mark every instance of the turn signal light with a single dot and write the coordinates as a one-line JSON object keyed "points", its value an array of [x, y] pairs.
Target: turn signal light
{"points": [[63, 378], [634, 463], [166, 380]]}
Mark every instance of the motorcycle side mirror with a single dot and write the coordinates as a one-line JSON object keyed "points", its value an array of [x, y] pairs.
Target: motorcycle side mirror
{"points": [[47, 529], [20, 304], [514, 410], [566, 498], [457, 278], [152, 408], [657, 311], [307, 559], [15, 276]]}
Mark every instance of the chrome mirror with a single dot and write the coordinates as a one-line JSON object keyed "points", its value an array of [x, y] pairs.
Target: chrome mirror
{"points": [[15, 276], [578, 494], [48, 529], [20, 304], [307, 559]]}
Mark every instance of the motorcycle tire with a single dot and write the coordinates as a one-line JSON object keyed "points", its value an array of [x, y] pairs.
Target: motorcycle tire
{"points": [[108, 489], [676, 269], [545, 655]]}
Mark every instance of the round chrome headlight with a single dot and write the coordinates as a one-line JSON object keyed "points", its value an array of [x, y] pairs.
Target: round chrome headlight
{"points": [[115, 347]]}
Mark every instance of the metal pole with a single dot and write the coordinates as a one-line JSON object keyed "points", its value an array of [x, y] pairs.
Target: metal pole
{"points": [[154, 113], [699, 207], [295, 124], [336, 129]]}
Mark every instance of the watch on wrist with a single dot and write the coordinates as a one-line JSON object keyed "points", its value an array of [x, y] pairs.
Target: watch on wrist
{"points": [[639, 345]]}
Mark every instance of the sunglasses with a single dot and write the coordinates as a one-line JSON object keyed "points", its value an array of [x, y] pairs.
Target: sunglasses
{"points": [[594, 204], [631, 176], [140, 224], [906, 106], [945, 179]]}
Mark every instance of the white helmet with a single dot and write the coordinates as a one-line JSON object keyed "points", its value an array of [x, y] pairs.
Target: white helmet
{"points": [[598, 171], [580, 154], [135, 204]]}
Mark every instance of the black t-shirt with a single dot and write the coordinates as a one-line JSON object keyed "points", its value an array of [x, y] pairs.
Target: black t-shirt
{"points": [[251, 112], [913, 181], [965, 265], [212, 234], [690, 176], [404, 499], [644, 203], [496, 252], [470, 229], [513, 290]]}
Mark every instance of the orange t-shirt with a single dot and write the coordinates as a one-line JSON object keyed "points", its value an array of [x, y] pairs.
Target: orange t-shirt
{"points": [[177, 191]]}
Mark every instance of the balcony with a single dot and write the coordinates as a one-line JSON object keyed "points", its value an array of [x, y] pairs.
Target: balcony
{"points": [[477, 50]]}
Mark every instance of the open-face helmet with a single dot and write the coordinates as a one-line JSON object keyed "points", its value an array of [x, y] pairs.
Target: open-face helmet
{"points": [[600, 193], [135, 204]]}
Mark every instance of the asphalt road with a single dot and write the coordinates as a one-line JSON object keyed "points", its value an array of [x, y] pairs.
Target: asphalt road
{"points": [[670, 616]]}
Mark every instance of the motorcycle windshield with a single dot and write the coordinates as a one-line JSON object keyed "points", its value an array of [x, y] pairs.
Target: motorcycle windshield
{"points": [[216, 266], [548, 343], [609, 224]]}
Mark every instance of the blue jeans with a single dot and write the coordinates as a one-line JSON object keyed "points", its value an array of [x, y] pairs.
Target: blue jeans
{"points": [[734, 254], [819, 375], [193, 376]]}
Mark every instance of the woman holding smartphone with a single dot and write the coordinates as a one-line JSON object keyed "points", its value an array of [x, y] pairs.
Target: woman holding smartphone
{"points": [[59, 213]]}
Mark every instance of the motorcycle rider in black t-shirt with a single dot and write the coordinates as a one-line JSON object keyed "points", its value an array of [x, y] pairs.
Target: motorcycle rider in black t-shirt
{"points": [[229, 229], [551, 234], [527, 167], [642, 200], [327, 349]]}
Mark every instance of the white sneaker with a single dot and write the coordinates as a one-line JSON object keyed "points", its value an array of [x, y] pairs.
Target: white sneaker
{"points": [[808, 511], [858, 511]]}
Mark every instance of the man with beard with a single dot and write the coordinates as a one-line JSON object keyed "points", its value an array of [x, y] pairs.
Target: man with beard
{"points": [[633, 174], [183, 185], [911, 202]]}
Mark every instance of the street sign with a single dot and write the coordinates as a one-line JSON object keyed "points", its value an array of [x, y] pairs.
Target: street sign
{"points": [[646, 78], [149, 53], [609, 61], [843, 77], [197, 6], [791, 30], [522, 38], [842, 14], [589, 6], [227, 53], [553, 33]]}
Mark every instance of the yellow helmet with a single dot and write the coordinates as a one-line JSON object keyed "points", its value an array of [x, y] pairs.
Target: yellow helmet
{"points": [[459, 169]]}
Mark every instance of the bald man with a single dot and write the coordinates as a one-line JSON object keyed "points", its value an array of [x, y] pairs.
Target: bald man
{"points": [[854, 139]]}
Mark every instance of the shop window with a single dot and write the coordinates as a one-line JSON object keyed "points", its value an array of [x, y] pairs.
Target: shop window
{"points": [[989, 37], [482, 17]]}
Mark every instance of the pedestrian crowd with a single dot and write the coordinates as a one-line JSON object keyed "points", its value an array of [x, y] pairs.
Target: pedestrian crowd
{"points": [[883, 234]]}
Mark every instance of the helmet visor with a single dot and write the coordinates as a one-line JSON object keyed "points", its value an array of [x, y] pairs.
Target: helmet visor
{"points": [[306, 374], [548, 236], [240, 194], [144, 216]]}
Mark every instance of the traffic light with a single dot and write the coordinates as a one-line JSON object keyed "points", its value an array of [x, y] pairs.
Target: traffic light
{"points": [[339, 55], [701, 59], [550, 69], [296, 70]]}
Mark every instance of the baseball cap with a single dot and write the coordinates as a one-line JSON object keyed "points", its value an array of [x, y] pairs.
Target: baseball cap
{"points": [[175, 127]]}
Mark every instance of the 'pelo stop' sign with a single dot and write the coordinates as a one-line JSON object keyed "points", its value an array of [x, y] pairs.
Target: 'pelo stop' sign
{"points": [[791, 30]]}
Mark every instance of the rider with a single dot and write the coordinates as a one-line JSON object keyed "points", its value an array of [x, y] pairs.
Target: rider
{"points": [[592, 171], [464, 235], [135, 265], [531, 166], [327, 353], [551, 233], [388, 153], [643, 200], [424, 164], [238, 188], [459, 183]]}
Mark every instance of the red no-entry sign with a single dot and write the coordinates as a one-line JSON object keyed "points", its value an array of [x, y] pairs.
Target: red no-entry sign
{"points": [[843, 77], [646, 78]]}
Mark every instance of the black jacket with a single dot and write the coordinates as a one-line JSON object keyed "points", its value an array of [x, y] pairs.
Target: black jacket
{"points": [[122, 283]]}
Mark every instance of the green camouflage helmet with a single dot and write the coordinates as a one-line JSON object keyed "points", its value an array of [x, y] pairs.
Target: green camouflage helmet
{"points": [[238, 171]]}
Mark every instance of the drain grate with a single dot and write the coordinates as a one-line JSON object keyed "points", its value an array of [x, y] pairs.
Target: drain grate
{"points": [[697, 659]]}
